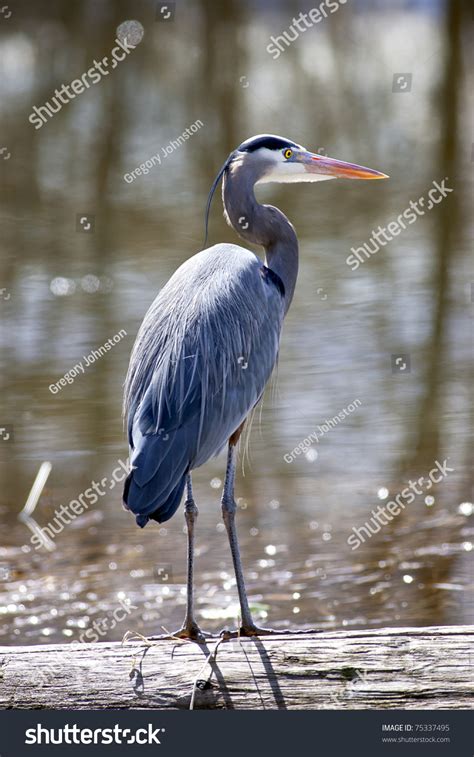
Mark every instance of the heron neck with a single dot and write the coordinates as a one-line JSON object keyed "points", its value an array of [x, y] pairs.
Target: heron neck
{"points": [[262, 225], [282, 258]]}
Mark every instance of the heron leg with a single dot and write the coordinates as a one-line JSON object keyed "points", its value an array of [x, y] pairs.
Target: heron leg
{"points": [[228, 514], [190, 629]]}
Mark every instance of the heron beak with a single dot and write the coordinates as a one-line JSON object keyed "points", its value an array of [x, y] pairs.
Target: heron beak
{"points": [[332, 168]]}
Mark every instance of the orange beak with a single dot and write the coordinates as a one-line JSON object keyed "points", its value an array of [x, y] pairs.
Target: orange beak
{"points": [[321, 164]]}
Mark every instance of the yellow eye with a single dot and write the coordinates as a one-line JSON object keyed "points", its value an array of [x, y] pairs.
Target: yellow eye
{"points": [[287, 153]]}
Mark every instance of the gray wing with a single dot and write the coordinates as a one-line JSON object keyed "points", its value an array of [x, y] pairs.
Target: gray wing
{"points": [[200, 363]]}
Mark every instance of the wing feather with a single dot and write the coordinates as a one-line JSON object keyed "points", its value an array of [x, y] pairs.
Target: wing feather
{"points": [[200, 363]]}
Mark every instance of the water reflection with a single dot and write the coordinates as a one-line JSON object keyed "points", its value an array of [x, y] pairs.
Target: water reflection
{"points": [[67, 290]]}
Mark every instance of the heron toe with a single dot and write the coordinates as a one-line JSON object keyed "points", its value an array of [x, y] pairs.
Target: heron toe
{"points": [[249, 630], [253, 630]]}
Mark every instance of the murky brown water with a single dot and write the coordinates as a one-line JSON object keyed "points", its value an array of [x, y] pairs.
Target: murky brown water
{"points": [[66, 292]]}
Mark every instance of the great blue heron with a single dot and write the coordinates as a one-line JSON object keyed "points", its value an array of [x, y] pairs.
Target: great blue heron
{"points": [[208, 344]]}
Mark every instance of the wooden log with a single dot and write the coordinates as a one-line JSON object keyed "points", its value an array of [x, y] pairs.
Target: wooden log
{"points": [[406, 668]]}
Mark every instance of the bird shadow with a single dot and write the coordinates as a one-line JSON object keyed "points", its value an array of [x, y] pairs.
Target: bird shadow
{"points": [[219, 677], [271, 675]]}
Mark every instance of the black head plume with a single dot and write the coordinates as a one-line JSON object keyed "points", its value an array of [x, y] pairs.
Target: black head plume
{"points": [[211, 194]]}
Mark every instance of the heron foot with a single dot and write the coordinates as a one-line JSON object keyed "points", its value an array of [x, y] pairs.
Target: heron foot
{"points": [[190, 631]]}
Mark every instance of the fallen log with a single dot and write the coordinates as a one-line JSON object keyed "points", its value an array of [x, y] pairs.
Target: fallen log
{"points": [[405, 668]]}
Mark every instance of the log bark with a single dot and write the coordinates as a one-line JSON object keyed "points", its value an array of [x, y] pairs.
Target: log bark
{"points": [[405, 668]]}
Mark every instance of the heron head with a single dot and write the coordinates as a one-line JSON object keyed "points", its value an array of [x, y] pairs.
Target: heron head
{"points": [[276, 159]]}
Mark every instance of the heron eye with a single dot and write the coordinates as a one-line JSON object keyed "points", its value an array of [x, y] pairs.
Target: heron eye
{"points": [[287, 153]]}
